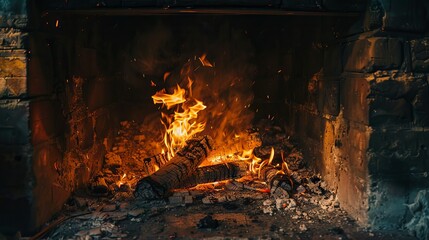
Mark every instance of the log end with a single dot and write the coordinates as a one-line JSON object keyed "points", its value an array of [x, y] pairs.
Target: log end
{"points": [[147, 189]]}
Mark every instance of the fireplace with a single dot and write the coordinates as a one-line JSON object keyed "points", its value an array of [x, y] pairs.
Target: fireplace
{"points": [[346, 82]]}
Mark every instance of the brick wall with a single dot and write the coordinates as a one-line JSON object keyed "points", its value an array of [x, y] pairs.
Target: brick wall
{"points": [[57, 112], [368, 134]]}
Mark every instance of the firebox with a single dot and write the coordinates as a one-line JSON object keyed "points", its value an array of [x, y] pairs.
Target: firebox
{"points": [[83, 82]]}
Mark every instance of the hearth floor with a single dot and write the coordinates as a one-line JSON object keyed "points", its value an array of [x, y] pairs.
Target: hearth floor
{"points": [[233, 209], [252, 217]]}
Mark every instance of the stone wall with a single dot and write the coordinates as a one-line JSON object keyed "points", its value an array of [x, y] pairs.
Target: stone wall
{"points": [[368, 134], [57, 112]]}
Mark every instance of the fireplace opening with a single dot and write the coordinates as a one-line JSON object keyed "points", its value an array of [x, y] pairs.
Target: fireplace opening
{"points": [[207, 122]]}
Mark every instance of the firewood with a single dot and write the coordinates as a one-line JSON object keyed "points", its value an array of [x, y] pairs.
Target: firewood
{"points": [[274, 177], [176, 170], [215, 173], [153, 163]]}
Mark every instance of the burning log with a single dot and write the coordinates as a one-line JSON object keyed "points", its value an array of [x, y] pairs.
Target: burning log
{"points": [[215, 173], [180, 167], [152, 164], [278, 181]]}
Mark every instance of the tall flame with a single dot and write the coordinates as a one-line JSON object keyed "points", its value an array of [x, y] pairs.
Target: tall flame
{"points": [[182, 124]]}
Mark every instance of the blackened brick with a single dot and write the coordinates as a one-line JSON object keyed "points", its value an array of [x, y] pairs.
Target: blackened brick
{"points": [[385, 111], [420, 54]]}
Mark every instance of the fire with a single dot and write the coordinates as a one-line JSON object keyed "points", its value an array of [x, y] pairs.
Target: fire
{"points": [[256, 163], [121, 181], [182, 124]]}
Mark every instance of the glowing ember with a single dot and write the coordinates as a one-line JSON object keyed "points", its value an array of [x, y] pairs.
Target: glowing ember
{"points": [[182, 124]]}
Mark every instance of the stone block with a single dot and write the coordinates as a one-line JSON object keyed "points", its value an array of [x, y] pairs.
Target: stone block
{"points": [[362, 105], [14, 119], [11, 38], [393, 85], [387, 201], [369, 55], [399, 152], [13, 63], [385, 111], [10, 20], [395, 15], [329, 96], [46, 120], [13, 87], [420, 54]]}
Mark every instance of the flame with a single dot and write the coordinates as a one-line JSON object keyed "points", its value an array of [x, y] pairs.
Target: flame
{"points": [[204, 61], [121, 181], [256, 164], [181, 125], [170, 100]]}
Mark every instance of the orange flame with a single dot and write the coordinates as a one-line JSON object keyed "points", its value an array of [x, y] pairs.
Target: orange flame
{"points": [[170, 100], [256, 164], [181, 125], [204, 61], [121, 181]]}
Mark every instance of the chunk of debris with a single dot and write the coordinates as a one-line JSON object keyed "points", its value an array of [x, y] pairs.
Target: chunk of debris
{"points": [[208, 222]]}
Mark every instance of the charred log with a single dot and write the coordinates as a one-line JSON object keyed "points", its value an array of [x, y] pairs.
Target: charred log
{"points": [[215, 173], [176, 170], [278, 181]]}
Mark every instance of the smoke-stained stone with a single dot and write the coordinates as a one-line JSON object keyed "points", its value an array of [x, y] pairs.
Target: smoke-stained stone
{"points": [[354, 94], [14, 118], [420, 54], [374, 14], [371, 54], [47, 120], [420, 107], [329, 96], [395, 85], [385, 111], [13, 6], [395, 15]]}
